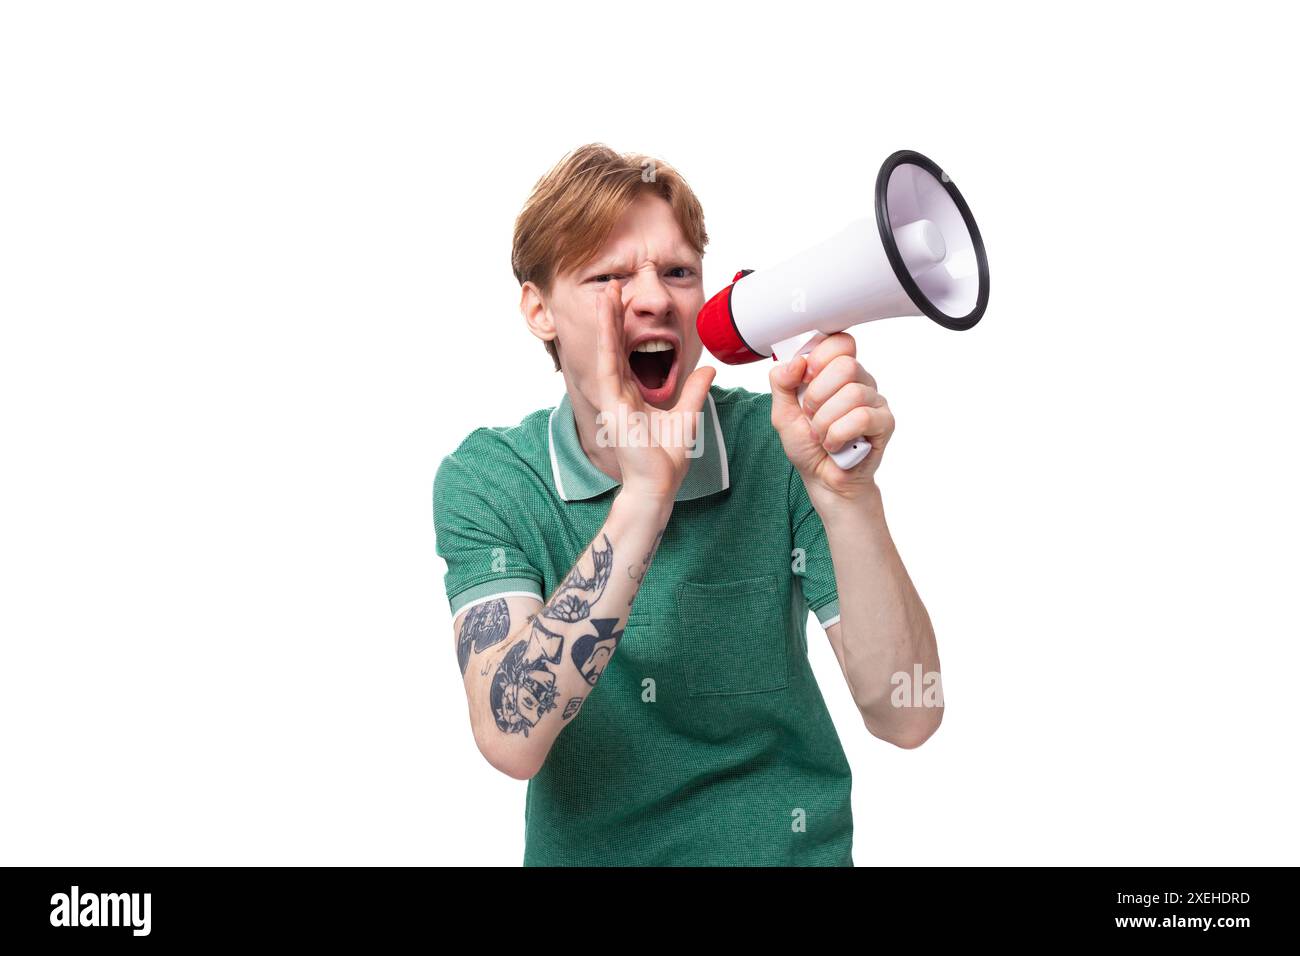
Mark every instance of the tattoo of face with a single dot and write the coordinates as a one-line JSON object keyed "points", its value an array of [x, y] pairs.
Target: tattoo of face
{"points": [[592, 652], [523, 688], [638, 574], [571, 707], [578, 593], [485, 624]]}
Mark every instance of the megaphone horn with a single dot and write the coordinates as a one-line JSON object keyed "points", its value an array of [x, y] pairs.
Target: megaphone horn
{"points": [[921, 254]]}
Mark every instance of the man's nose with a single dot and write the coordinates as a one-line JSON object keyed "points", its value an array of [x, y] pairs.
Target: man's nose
{"points": [[646, 296]]}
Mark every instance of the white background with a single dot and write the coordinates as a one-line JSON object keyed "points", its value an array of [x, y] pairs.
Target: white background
{"points": [[254, 283]]}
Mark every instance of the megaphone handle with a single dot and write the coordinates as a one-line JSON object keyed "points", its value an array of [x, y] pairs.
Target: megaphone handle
{"points": [[852, 453]]}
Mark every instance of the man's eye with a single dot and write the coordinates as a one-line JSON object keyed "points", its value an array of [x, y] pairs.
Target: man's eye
{"points": [[680, 272]]}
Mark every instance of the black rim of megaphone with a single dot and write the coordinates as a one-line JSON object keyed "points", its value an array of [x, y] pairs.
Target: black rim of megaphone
{"points": [[913, 158]]}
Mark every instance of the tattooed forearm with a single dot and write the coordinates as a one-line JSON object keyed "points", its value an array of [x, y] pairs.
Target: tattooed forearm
{"points": [[638, 574], [485, 624], [576, 596], [524, 673], [523, 688]]}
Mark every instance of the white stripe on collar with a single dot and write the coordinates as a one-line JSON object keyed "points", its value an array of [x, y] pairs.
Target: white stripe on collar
{"points": [[550, 444], [722, 445]]}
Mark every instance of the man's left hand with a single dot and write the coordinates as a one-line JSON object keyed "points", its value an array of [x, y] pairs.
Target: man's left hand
{"points": [[841, 404]]}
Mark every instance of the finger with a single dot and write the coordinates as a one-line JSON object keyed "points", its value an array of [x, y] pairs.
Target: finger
{"points": [[604, 340], [877, 424], [785, 379], [839, 372], [849, 397], [609, 355], [828, 349], [695, 393], [615, 292], [696, 389]]}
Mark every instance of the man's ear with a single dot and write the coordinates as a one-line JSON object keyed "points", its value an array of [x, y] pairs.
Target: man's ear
{"points": [[533, 308]]}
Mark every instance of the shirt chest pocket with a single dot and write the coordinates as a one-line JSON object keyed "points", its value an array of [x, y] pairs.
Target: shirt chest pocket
{"points": [[733, 635]]}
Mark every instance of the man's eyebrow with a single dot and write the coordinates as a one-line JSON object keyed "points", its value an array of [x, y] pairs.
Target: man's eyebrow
{"points": [[606, 263], [620, 260]]}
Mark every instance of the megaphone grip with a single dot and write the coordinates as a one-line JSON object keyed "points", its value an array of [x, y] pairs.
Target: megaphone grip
{"points": [[852, 453], [786, 350]]}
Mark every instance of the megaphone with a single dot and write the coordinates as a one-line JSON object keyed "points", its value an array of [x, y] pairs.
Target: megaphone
{"points": [[921, 254]]}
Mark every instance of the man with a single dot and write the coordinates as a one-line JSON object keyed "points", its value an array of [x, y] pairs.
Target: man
{"points": [[630, 604]]}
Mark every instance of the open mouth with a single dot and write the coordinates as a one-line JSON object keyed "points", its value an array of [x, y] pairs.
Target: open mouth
{"points": [[652, 363]]}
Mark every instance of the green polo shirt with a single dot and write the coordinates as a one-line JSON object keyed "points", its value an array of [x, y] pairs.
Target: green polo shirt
{"points": [[706, 740]]}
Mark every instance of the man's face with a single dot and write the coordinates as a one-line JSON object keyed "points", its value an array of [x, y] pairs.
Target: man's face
{"points": [[663, 291]]}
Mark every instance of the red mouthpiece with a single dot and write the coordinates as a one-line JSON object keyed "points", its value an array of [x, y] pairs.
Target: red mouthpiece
{"points": [[717, 328]]}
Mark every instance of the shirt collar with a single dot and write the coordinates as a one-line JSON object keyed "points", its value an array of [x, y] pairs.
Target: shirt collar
{"points": [[577, 479]]}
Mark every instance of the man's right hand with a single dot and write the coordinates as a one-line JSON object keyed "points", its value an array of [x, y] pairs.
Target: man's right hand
{"points": [[655, 470]]}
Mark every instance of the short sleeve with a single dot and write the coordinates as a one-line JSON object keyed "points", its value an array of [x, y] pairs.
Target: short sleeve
{"points": [[475, 541], [817, 577]]}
